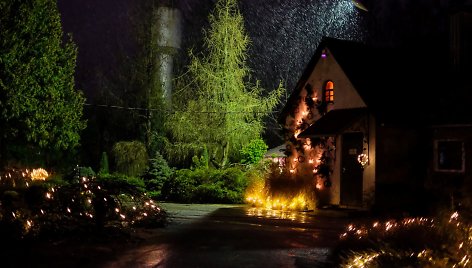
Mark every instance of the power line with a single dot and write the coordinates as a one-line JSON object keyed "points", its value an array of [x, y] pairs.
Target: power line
{"points": [[173, 111]]}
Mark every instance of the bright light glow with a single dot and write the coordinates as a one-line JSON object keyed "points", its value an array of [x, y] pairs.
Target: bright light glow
{"points": [[363, 159], [38, 174], [258, 196]]}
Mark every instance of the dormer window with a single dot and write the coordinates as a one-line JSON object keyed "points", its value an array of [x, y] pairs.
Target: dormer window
{"points": [[329, 92]]}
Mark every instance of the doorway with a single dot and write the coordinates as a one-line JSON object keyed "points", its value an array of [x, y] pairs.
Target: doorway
{"points": [[351, 169]]}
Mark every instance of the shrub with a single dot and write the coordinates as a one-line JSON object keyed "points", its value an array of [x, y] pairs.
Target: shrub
{"points": [[232, 178], [104, 168], [157, 174], [206, 186], [253, 152], [180, 187], [120, 183], [78, 172], [201, 162], [130, 158], [442, 241], [51, 209]]}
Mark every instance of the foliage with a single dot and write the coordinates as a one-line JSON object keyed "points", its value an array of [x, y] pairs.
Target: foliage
{"points": [[202, 162], [442, 241], [39, 104], [254, 151], [206, 186], [155, 177], [123, 183], [216, 105], [52, 209], [104, 168], [130, 157], [180, 187]]}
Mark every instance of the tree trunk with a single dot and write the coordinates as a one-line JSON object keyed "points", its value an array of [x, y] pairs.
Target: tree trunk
{"points": [[225, 154]]}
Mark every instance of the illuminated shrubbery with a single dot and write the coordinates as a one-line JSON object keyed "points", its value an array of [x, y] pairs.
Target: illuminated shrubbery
{"points": [[271, 187], [412, 242], [31, 208]]}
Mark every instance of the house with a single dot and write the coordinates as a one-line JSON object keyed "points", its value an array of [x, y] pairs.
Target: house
{"points": [[358, 122]]}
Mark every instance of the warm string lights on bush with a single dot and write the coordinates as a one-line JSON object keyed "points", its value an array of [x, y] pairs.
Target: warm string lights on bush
{"points": [[454, 251], [86, 197], [299, 202], [380, 228]]}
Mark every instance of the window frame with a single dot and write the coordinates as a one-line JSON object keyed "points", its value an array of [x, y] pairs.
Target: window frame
{"points": [[436, 156], [328, 94]]}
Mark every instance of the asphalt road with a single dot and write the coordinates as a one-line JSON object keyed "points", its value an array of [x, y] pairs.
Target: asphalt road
{"points": [[197, 236], [237, 236]]}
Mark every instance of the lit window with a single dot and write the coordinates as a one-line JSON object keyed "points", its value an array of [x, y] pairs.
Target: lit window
{"points": [[329, 92], [449, 155]]}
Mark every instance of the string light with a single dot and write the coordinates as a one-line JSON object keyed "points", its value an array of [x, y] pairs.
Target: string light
{"points": [[363, 159]]}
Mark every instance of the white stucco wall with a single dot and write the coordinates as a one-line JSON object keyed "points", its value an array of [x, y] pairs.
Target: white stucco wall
{"points": [[345, 95]]}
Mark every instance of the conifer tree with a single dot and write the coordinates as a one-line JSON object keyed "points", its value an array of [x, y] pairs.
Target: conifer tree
{"points": [[39, 105], [217, 105]]}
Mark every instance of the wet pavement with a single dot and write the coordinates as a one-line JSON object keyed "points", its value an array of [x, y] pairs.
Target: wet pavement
{"points": [[198, 236], [237, 236]]}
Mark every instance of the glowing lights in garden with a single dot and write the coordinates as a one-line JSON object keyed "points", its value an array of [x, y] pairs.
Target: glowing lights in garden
{"points": [[259, 197], [387, 226], [454, 251], [55, 205], [296, 203], [39, 174]]}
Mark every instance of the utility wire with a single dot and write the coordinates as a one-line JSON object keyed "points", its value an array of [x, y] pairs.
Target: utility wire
{"points": [[169, 111]]}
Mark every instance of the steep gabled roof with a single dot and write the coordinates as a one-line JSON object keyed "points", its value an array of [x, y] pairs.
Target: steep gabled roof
{"points": [[334, 122], [396, 84]]}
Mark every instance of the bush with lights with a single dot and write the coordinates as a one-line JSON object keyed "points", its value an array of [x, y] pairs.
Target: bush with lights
{"points": [[33, 205], [442, 241]]}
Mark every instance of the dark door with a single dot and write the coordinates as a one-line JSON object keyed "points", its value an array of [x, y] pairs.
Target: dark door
{"points": [[351, 169]]}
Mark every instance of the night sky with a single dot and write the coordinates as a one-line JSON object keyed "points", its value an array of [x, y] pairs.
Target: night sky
{"points": [[284, 33]]}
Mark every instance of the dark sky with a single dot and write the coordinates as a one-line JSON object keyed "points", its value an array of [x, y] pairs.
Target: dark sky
{"points": [[284, 33]]}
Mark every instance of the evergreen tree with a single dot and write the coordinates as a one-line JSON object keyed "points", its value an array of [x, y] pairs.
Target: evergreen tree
{"points": [[39, 106], [104, 167], [217, 107]]}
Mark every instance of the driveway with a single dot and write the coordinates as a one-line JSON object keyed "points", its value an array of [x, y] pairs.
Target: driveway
{"points": [[197, 236], [237, 236]]}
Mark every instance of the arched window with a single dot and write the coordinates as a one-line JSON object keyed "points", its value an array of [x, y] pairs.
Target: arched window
{"points": [[329, 92]]}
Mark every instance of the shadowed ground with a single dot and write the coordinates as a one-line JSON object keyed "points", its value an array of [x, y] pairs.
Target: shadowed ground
{"points": [[200, 236]]}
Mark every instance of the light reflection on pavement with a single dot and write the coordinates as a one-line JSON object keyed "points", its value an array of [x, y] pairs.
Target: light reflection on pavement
{"points": [[236, 236], [277, 214]]}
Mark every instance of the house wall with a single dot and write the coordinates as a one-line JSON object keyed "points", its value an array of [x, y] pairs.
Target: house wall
{"points": [[345, 96], [449, 184], [400, 167], [368, 186]]}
